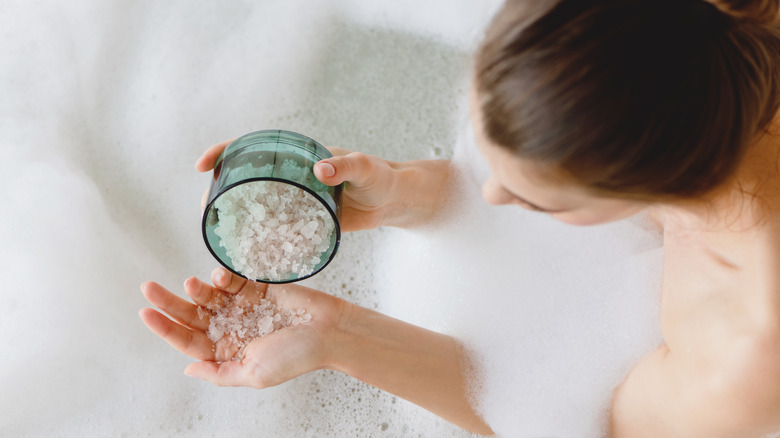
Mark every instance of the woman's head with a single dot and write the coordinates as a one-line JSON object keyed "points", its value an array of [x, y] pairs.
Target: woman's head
{"points": [[629, 100]]}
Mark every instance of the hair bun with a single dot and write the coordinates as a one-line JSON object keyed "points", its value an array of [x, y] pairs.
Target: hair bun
{"points": [[757, 11]]}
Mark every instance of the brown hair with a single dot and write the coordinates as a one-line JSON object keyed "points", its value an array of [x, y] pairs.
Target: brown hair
{"points": [[642, 98]]}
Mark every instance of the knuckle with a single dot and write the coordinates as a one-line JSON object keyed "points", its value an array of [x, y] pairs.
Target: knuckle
{"points": [[238, 283], [359, 157], [362, 162], [189, 341]]}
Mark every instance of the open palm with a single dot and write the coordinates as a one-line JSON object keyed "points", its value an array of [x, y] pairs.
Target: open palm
{"points": [[267, 361]]}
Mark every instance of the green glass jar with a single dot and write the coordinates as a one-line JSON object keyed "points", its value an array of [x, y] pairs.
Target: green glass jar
{"points": [[266, 158]]}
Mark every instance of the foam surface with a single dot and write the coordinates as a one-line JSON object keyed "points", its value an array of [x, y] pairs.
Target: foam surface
{"points": [[557, 314], [106, 106]]}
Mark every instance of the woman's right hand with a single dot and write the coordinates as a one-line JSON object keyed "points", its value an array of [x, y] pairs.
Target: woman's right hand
{"points": [[368, 190], [368, 193]]}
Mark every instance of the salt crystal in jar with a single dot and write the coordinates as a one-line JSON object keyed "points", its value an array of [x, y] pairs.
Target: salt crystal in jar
{"points": [[267, 217]]}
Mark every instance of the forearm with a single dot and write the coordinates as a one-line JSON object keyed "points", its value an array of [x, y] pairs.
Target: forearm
{"points": [[418, 190], [426, 368]]}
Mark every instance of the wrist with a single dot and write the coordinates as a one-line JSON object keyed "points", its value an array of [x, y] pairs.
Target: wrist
{"points": [[359, 342], [416, 192], [416, 364], [340, 339]]}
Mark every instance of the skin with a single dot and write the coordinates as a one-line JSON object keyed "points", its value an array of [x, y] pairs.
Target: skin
{"points": [[716, 376], [520, 182], [718, 373]]}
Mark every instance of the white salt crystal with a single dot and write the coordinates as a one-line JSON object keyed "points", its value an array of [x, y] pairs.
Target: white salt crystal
{"points": [[309, 229], [257, 210], [273, 231], [266, 325]]}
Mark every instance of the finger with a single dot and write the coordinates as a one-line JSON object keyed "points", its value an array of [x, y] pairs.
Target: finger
{"points": [[356, 168], [338, 152], [229, 282], [203, 201], [209, 158], [190, 342], [204, 294], [228, 373], [181, 310]]}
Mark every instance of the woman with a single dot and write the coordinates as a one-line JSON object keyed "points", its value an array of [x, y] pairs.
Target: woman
{"points": [[589, 112]]}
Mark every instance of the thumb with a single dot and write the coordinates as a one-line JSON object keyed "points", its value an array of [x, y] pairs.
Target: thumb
{"points": [[355, 168]]}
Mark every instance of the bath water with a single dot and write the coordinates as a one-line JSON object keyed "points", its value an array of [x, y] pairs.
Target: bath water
{"points": [[107, 105]]}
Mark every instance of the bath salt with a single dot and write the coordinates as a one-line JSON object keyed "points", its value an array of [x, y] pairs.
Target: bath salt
{"points": [[240, 321], [272, 230]]}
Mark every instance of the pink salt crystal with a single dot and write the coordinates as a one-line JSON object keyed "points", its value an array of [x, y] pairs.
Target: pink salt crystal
{"points": [[266, 324], [238, 322]]}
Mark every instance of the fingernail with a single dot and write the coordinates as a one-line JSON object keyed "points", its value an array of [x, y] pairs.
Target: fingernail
{"points": [[327, 169], [188, 373], [219, 276]]}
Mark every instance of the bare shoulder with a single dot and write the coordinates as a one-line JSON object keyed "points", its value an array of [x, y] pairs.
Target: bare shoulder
{"points": [[751, 380], [720, 306], [725, 361]]}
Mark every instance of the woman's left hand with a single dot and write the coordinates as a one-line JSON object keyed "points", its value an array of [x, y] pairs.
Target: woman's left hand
{"points": [[268, 361]]}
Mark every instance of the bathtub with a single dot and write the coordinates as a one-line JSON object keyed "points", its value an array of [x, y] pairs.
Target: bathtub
{"points": [[106, 107]]}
